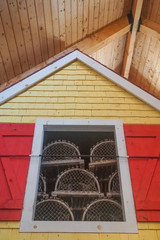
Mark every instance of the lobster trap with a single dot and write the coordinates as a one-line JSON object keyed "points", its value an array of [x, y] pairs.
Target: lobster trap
{"points": [[61, 153], [42, 188], [58, 156], [53, 210], [77, 187], [82, 189], [103, 162], [114, 187], [103, 210]]}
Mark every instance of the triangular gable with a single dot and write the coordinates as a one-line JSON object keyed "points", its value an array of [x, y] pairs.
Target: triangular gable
{"points": [[98, 67]]}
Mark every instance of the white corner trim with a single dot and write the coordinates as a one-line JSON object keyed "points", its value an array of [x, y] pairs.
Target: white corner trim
{"points": [[62, 62], [28, 224], [36, 77]]}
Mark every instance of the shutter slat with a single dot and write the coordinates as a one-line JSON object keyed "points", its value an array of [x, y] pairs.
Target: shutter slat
{"points": [[15, 141], [143, 142], [147, 180], [9, 172]]}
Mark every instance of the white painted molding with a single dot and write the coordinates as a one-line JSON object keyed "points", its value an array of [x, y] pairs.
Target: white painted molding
{"points": [[98, 67], [120, 81], [36, 77], [28, 224]]}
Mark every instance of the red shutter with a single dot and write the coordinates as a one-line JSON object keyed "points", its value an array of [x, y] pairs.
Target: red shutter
{"points": [[15, 147], [143, 147]]}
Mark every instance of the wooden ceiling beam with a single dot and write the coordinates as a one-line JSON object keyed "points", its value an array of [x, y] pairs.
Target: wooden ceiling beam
{"points": [[89, 45], [150, 28], [106, 35], [131, 38]]}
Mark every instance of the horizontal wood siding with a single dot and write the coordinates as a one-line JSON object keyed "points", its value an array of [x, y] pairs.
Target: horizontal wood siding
{"points": [[77, 91], [146, 231]]}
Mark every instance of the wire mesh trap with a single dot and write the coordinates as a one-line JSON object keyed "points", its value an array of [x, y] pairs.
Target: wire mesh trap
{"points": [[53, 210], [75, 191], [42, 185], [58, 156], [77, 187], [60, 150], [102, 151], [114, 186], [42, 188], [103, 162], [103, 210], [77, 180]]}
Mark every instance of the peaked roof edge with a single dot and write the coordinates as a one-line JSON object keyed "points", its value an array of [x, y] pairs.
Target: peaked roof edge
{"points": [[98, 67]]}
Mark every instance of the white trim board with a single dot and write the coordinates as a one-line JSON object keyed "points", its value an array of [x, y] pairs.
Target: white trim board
{"points": [[28, 224], [98, 67]]}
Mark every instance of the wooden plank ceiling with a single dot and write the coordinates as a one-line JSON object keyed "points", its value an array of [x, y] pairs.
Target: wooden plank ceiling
{"points": [[34, 33]]}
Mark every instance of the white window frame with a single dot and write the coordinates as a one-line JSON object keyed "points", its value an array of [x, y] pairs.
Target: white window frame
{"points": [[27, 222]]}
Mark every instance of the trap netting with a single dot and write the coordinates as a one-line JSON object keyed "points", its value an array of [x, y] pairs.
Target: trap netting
{"points": [[77, 187], [53, 210], [77, 180], [103, 150], [103, 162], [42, 185], [60, 150], [113, 185], [103, 210]]}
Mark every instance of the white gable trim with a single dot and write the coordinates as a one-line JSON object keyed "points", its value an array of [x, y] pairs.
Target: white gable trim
{"points": [[62, 62]]}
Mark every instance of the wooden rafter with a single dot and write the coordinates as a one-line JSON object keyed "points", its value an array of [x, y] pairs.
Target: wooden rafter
{"points": [[89, 45], [103, 37], [150, 28], [136, 12]]}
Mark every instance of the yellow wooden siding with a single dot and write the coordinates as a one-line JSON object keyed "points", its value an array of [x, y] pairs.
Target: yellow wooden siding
{"points": [[77, 91], [146, 231]]}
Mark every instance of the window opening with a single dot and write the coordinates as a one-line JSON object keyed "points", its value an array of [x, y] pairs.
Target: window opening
{"points": [[82, 178], [78, 178]]}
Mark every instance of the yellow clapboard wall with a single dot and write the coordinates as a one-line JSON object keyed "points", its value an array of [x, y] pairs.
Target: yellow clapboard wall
{"points": [[77, 91], [147, 231]]}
